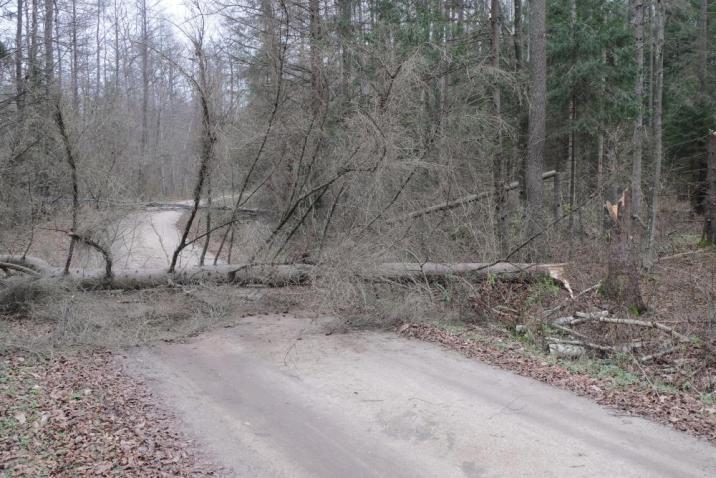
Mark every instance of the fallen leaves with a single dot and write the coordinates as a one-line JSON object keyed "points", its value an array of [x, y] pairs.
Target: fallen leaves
{"points": [[80, 415]]}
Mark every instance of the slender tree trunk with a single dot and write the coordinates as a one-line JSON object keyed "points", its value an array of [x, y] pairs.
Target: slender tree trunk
{"points": [[19, 77], [33, 64], [208, 141], [572, 159], [704, 44], [709, 235], [315, 47], [75, 59], [70, 158], [600, 134], [144, 53], [98, 40], [49, 49], [116, 47], [345, 38], [498, 167], [638, 139], [534, 190], [59, 47], [659, 19], [517, 35]]}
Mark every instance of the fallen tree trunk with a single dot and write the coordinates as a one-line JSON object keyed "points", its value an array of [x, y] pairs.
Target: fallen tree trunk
{"points": [[446, 206], [279, 275]]}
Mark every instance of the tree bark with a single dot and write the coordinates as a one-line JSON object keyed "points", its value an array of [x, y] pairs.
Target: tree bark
{"points": [[75, 59], [498, 166], [70, 158], [638, 138], [144, 54], [709, 235], [290, 274], [704, 45], [622, 283], [49, 50], [19, 78], [534, 189], [345, 28], [517, 35], [658, 148], [314, 11]]}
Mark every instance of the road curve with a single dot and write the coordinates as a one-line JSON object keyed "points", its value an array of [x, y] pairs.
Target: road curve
{"points": [[275, 396]]}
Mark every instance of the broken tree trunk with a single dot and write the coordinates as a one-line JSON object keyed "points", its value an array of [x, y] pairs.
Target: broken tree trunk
{"points": [[446, 206], [287, 274], [622, 281]]}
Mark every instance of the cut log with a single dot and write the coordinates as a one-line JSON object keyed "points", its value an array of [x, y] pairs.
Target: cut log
{"points": [[279, 275], [446, 206]]}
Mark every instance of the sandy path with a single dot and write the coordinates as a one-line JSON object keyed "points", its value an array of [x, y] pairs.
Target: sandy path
{"points": [[277, 397], [147, 241]]}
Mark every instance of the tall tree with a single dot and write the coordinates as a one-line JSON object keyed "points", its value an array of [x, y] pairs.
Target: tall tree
{"points": [[534, 189], [49, 48], [498, 167], [637, 16], [314, 11], [19, 77], [658, 146]]}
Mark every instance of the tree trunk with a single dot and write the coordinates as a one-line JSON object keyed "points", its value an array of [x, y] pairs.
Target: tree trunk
{"points": [[638, 139], [345, 38], [291, 274], [659, 19], [208, 141], [709, 236], [75, 60], [19, 77], [498, 167], [33, 70], [622, 283], [534, 189], [517, 35], [315, 47], [70, 158], [144, 54], [704, 45], [49, 50]]}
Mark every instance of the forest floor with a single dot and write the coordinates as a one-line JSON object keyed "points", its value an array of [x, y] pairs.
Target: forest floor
{"points": [[55, 349]]}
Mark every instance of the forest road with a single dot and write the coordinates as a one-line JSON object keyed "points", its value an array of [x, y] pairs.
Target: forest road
{"points": [[147, 240], [277, 396]]}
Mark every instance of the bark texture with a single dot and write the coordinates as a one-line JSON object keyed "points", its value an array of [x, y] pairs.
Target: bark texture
{"points": [[534, 189], [622, 283]]}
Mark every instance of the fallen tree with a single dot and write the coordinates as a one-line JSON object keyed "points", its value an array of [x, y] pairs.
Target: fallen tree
{"points": [[278, 275], [446, 206]]}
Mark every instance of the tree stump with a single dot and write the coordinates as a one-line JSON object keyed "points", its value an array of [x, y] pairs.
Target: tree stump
{"points": [[622, 283]]}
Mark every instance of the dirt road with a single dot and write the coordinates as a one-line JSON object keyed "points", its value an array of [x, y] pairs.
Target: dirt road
{"points": [[148, 238], [277, 397]]}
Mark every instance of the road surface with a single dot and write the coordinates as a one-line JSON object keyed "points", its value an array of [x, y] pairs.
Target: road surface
{"points": [[275, 396]]}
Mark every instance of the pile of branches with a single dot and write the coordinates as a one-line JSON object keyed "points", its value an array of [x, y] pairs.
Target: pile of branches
{"points": [[575, 338]]}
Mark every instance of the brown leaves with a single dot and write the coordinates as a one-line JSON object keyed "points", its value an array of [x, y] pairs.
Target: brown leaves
{"points": [[80, 415]]}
